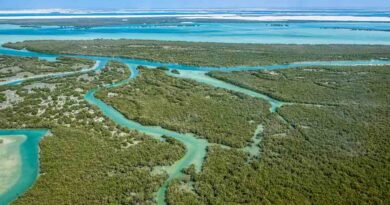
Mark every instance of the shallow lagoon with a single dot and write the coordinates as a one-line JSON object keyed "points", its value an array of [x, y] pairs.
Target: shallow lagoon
{"points": [[21, 148], [10, 160]]}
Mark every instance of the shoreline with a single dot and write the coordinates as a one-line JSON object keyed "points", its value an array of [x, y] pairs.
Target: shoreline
{"points": [[292, 18], [268, 18]]}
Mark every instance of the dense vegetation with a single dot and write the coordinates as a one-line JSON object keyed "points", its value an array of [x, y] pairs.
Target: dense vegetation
{"points": [[114, 72], [88, 159], [332, 148], [328, 155], [21, 67], [2, 97], [207, 54], [154, 98], [316, 85]]}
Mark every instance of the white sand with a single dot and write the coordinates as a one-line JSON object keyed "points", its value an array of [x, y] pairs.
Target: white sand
{"points": [[213, 16], [86, 16], [37, 11], [10, 161], [7, 140], [290, 18]]}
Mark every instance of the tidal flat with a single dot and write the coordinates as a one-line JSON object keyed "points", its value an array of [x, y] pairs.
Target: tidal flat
{"points": [[10, 161], [19, 161]]}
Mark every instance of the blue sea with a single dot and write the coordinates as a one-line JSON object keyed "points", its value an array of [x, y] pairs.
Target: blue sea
{"points": [[282, 32]]}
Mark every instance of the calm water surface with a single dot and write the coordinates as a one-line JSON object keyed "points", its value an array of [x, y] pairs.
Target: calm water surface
{"points": [[26, 161], [289, 33]]}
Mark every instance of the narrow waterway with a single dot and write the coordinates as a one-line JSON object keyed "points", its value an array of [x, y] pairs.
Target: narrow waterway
{"points": [[200, 76], [195, 147], [98, 65]]}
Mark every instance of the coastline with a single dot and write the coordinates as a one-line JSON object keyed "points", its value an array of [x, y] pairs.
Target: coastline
{"points": [[292, 18], [269, 18]]}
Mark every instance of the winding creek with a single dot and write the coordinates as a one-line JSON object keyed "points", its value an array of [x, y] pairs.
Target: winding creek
{"points": [[27, 140]]}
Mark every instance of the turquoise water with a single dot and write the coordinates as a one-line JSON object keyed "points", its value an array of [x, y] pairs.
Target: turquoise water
{"points": [[253, 149], [136, 62], [307, 32], [261, 32], [295, 32], [246, 11], [29, 156], [201, 77], [195, 147]]}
